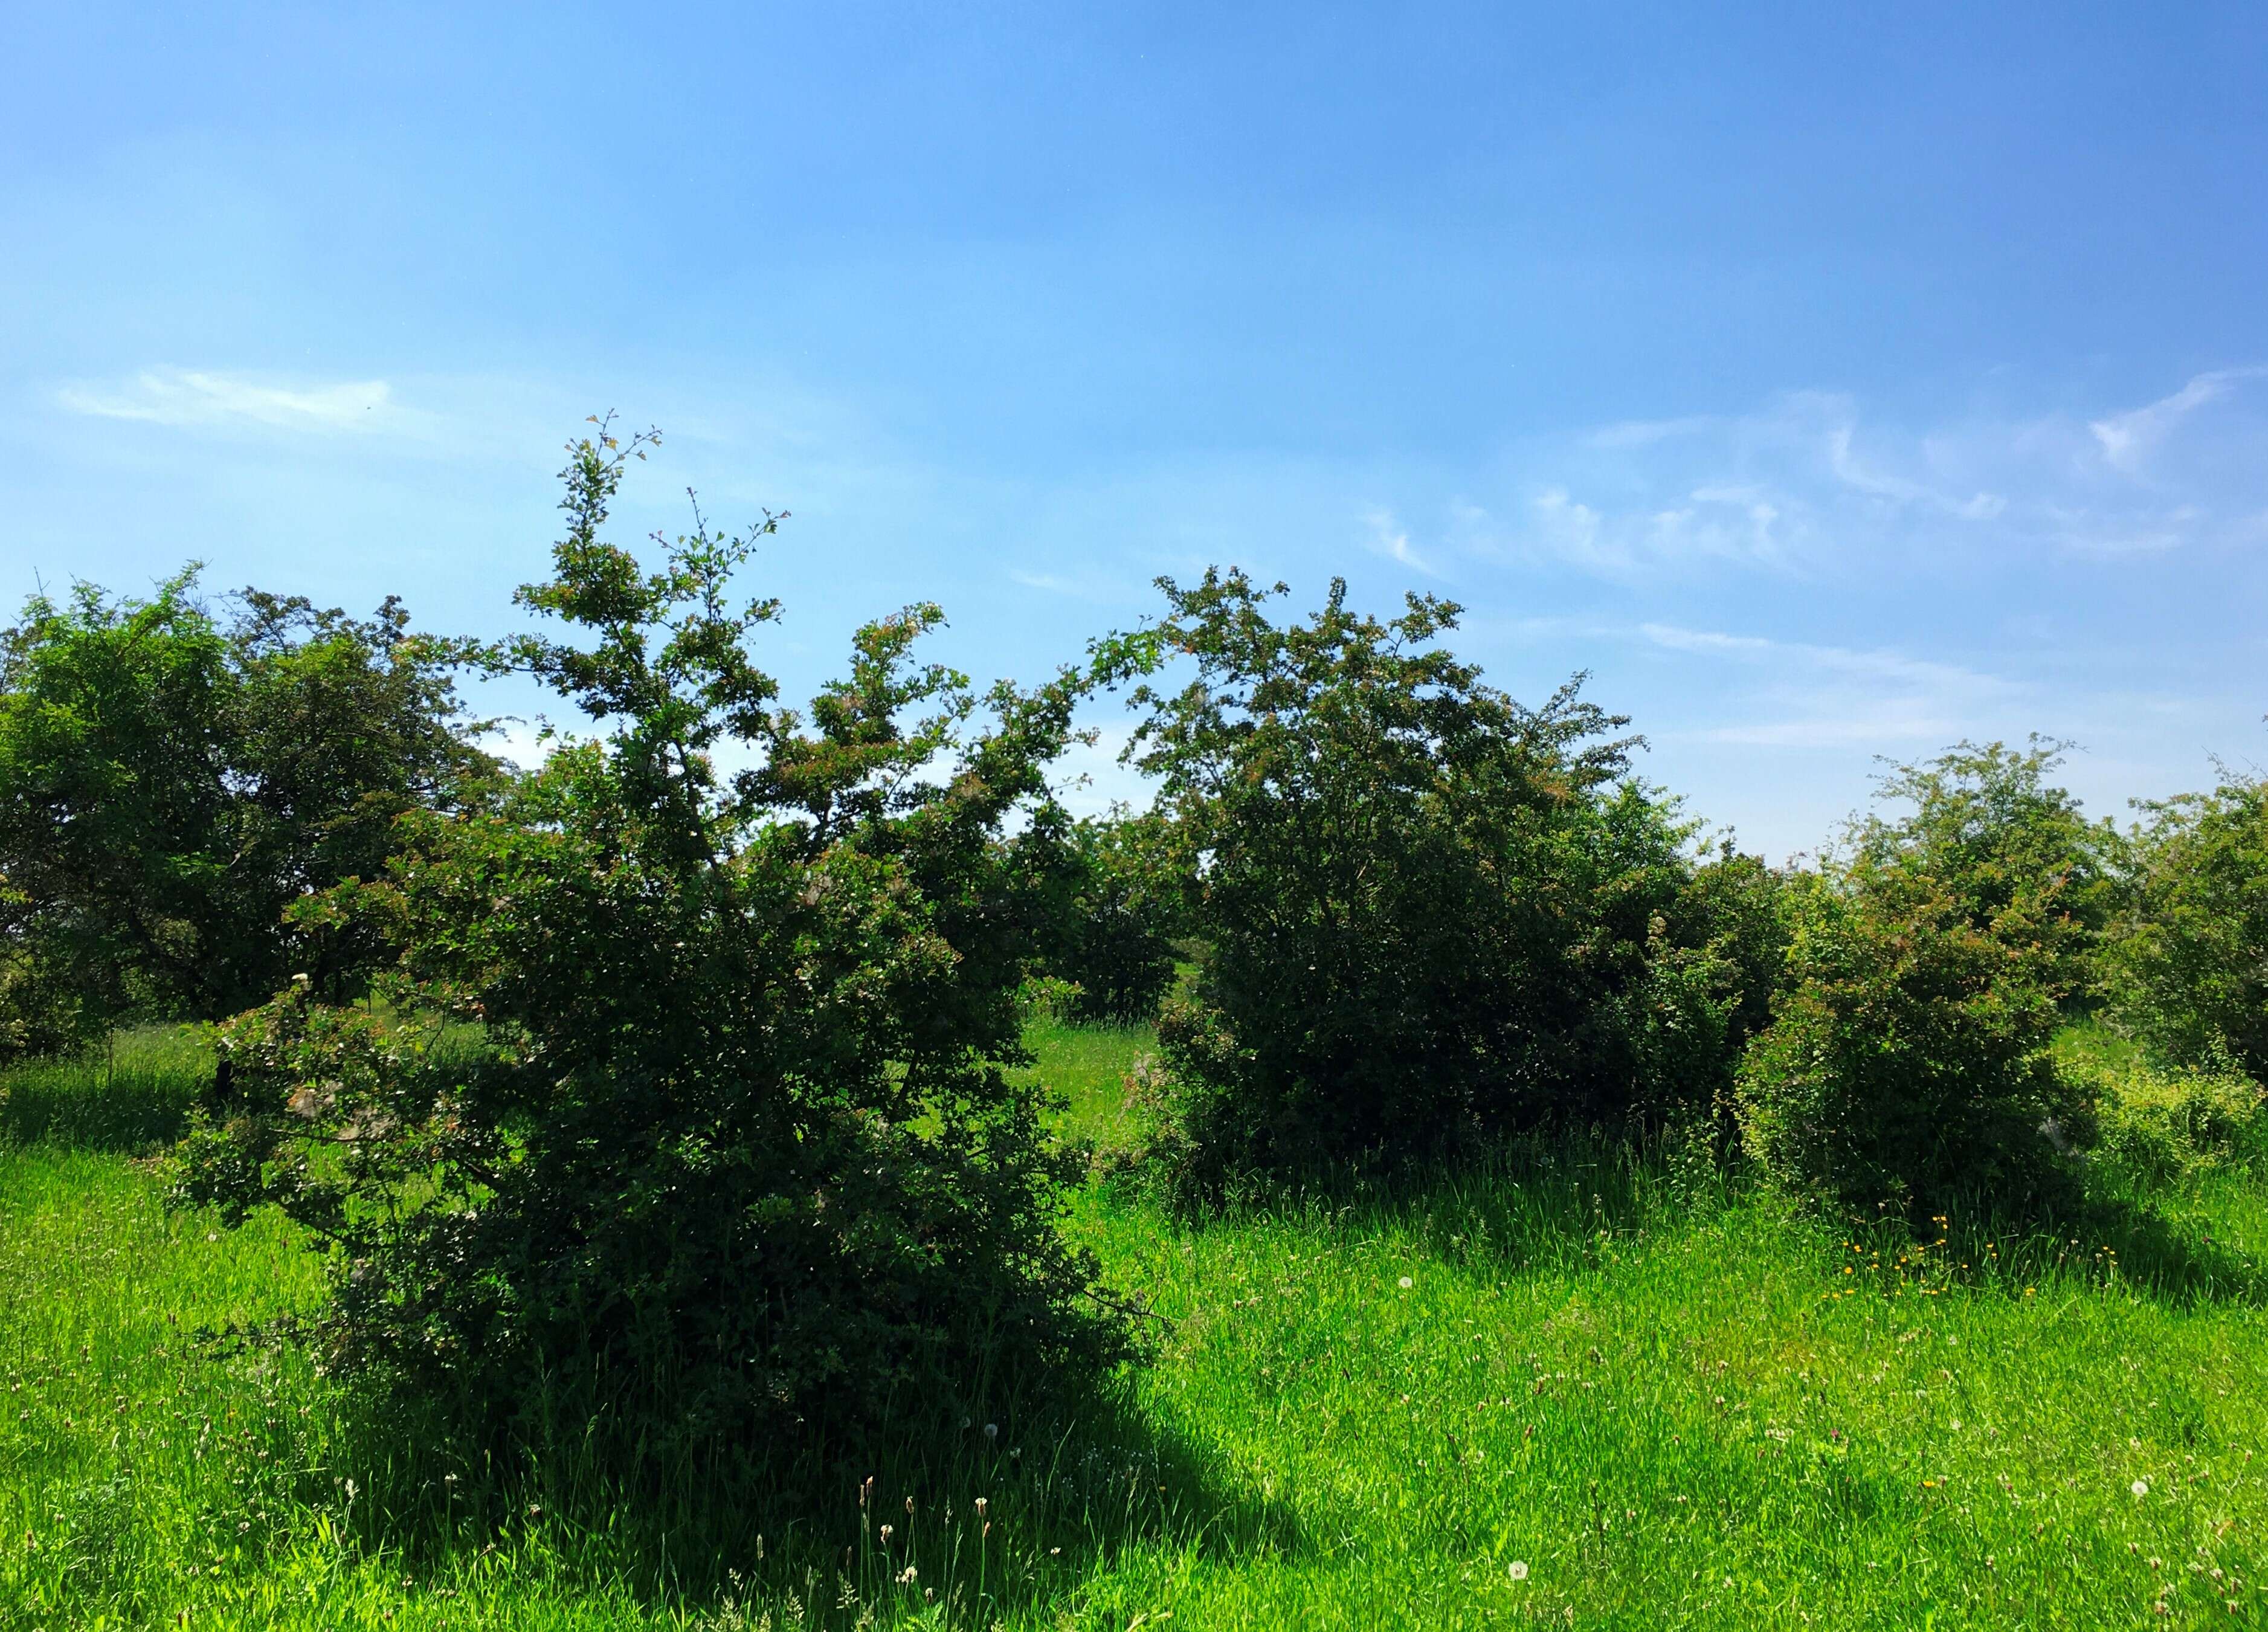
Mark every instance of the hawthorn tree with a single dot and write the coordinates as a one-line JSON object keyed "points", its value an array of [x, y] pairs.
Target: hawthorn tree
{"points": [[1113, 910], [1432, 915], [171, 780], [2187, 962], [687, 1111]]}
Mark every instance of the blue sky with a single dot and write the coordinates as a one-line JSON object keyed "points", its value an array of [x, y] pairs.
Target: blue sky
{"points": [[1828, 381]]}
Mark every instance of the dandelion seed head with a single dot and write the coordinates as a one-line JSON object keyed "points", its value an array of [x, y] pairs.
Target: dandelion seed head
{"points": [[2140, 1487], [1517, 1570], [1407, 1283]]}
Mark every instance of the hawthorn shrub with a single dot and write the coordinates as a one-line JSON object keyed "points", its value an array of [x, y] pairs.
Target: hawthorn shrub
{"points": [[683, 1118], [1112, 914], [1432, 916], [1988, 823], [1907, 1069], [2186, 968]]}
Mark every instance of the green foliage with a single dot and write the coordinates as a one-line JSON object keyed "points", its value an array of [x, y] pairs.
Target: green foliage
{"points": [[2187, 966], [1112, 912], [1987, 824], [2161, 1124], [1907, 1069], [170, 784], [1432, 915], [1731, 924], [730, 1164]]}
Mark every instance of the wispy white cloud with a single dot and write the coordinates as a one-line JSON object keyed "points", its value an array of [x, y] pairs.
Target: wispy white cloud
{"points": [[1857, 474], [1732, 522], [1099, 590], [1810, 479], [1389, 538], [1815, 695], [2128, 440], [188, 397], [1646, 432]]}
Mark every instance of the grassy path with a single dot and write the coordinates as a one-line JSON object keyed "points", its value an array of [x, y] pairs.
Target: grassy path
{"points": [[1566, 1393]]}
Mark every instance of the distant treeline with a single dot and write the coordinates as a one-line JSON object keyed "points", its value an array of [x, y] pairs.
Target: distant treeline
{"points": [[690, 1099]]}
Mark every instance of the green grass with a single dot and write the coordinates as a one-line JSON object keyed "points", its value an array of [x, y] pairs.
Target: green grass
{"points": [[1087, 1066], [1675, 1405], [130, 1098]]}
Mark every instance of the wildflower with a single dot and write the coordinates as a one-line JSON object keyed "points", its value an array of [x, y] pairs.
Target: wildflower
{"points": [[2140, 1487], [992, 1430], [1407, 1283], [983, 1506], [886, 1531], [1517, 1570]]}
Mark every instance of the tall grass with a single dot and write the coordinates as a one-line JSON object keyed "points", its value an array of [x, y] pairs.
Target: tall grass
{"points": [[131, 1095], [1662, 1397]]}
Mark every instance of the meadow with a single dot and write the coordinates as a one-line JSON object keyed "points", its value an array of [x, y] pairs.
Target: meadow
{"points": [[1581, 1385]]}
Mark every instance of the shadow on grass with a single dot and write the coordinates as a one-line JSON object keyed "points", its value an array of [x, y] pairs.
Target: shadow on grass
{"points": [[2125, 1239], [1561, 1203], [127, 1098], [1553, 1202], [968, 1528]]}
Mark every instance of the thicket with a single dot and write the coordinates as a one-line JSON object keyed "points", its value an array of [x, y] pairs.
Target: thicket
{"points": [[1431, 916], [172, 778], [685, 1121], [1113, 913], [2158, 1124], [2186, 967]]}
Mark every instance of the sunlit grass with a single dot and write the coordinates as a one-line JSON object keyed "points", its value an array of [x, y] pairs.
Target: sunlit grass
{"points": [[1669, 1401], [1086, 1065]]}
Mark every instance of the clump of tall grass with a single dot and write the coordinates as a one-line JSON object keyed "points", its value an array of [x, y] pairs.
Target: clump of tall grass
{"points": [[131, 1095]]}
